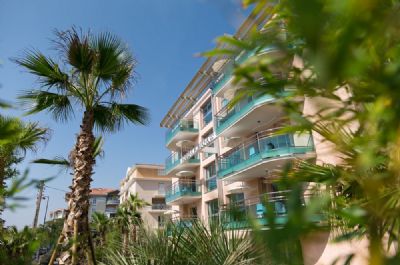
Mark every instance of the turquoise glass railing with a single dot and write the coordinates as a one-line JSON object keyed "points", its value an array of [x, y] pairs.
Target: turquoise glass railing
{"points": [[222, 79], [175, 159], [183, 125], [227, 117], [182, 188], [265, 209], [236, 216], [260, 147]]}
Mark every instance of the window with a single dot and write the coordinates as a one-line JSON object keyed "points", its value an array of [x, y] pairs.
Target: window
{"points": [[237, 209], [205, 136], [193, 212], [236, 198], [211, 177], [93, 201], [161, 188], [207, 113], [224, 102], [160, 221], [213, 210]]}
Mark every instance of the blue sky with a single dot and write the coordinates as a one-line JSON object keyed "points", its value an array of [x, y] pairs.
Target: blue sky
{"points": [[164, 35]]}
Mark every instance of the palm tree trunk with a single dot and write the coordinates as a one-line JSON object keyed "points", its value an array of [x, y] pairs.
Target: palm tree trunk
{"points": [[78, 204], [375, 244], [125, 241], [134, 233]]}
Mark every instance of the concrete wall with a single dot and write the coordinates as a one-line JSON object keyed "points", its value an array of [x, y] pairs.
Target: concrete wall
{"points": [[98, 206], [318, 249]]}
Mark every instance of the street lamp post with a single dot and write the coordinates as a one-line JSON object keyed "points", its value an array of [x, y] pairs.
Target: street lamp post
{"points": [[47, 205]]}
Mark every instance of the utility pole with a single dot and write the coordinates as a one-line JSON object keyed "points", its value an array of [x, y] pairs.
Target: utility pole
{"points": [[47, 206], [39, 199]]}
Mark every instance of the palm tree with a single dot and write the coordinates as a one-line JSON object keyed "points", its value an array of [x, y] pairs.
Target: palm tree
{"points": [[101, 222], [122, 221], [19, 138], [133, 205], [97, 71], [128, 217]]}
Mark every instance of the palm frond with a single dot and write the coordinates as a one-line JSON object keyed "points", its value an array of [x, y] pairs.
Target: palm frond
{"points": [[57, 161], [45, 69], [114, 117], [4, 104], [114, 65], [30, 135], [9, 127], [98, 147], [58, 105], [112, 56], [66, 163], [76, 49], [310, 172]]}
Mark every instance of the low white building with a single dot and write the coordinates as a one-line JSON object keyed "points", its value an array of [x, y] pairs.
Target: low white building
{"points": [[57, 214]]}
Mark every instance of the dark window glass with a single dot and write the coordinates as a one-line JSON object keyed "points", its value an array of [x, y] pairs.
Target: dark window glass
{"points": [[207, 113]]}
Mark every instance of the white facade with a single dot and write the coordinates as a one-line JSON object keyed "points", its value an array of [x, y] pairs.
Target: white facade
{"points": [[149, 183]]}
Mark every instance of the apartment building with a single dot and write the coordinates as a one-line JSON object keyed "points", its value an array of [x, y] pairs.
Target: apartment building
{"points": [[223, 157], [103, 200], [149, 182]]}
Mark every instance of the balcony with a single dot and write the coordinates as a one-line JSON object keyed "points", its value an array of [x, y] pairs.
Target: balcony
{"points": [[112, 201], [224, 81], [246, 115], [111, 210], [264, 208], [263, 152], [185, 221], [185, 130], [236, 215], [182, 192], [158, 207], [178, 162], [181, 222]]}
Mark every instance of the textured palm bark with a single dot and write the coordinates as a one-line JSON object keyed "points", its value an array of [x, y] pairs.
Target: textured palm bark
{"points": [[125, 242], [75, 236]]}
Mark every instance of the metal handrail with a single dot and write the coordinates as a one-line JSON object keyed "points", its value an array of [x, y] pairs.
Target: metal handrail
{"points": [[272, 197], [176, 157], [180, 184], [187, 217], [160, 206], [188, 123], [253, 139], [182, 181], [228, 108]]}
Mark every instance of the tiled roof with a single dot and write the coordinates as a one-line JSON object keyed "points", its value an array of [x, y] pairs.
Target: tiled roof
{"points": [[102, 191]]}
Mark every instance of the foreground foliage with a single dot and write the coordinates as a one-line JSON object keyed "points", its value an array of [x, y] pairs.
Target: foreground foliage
{"points": [[195, 244], [343, 58], [21, 247]]}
